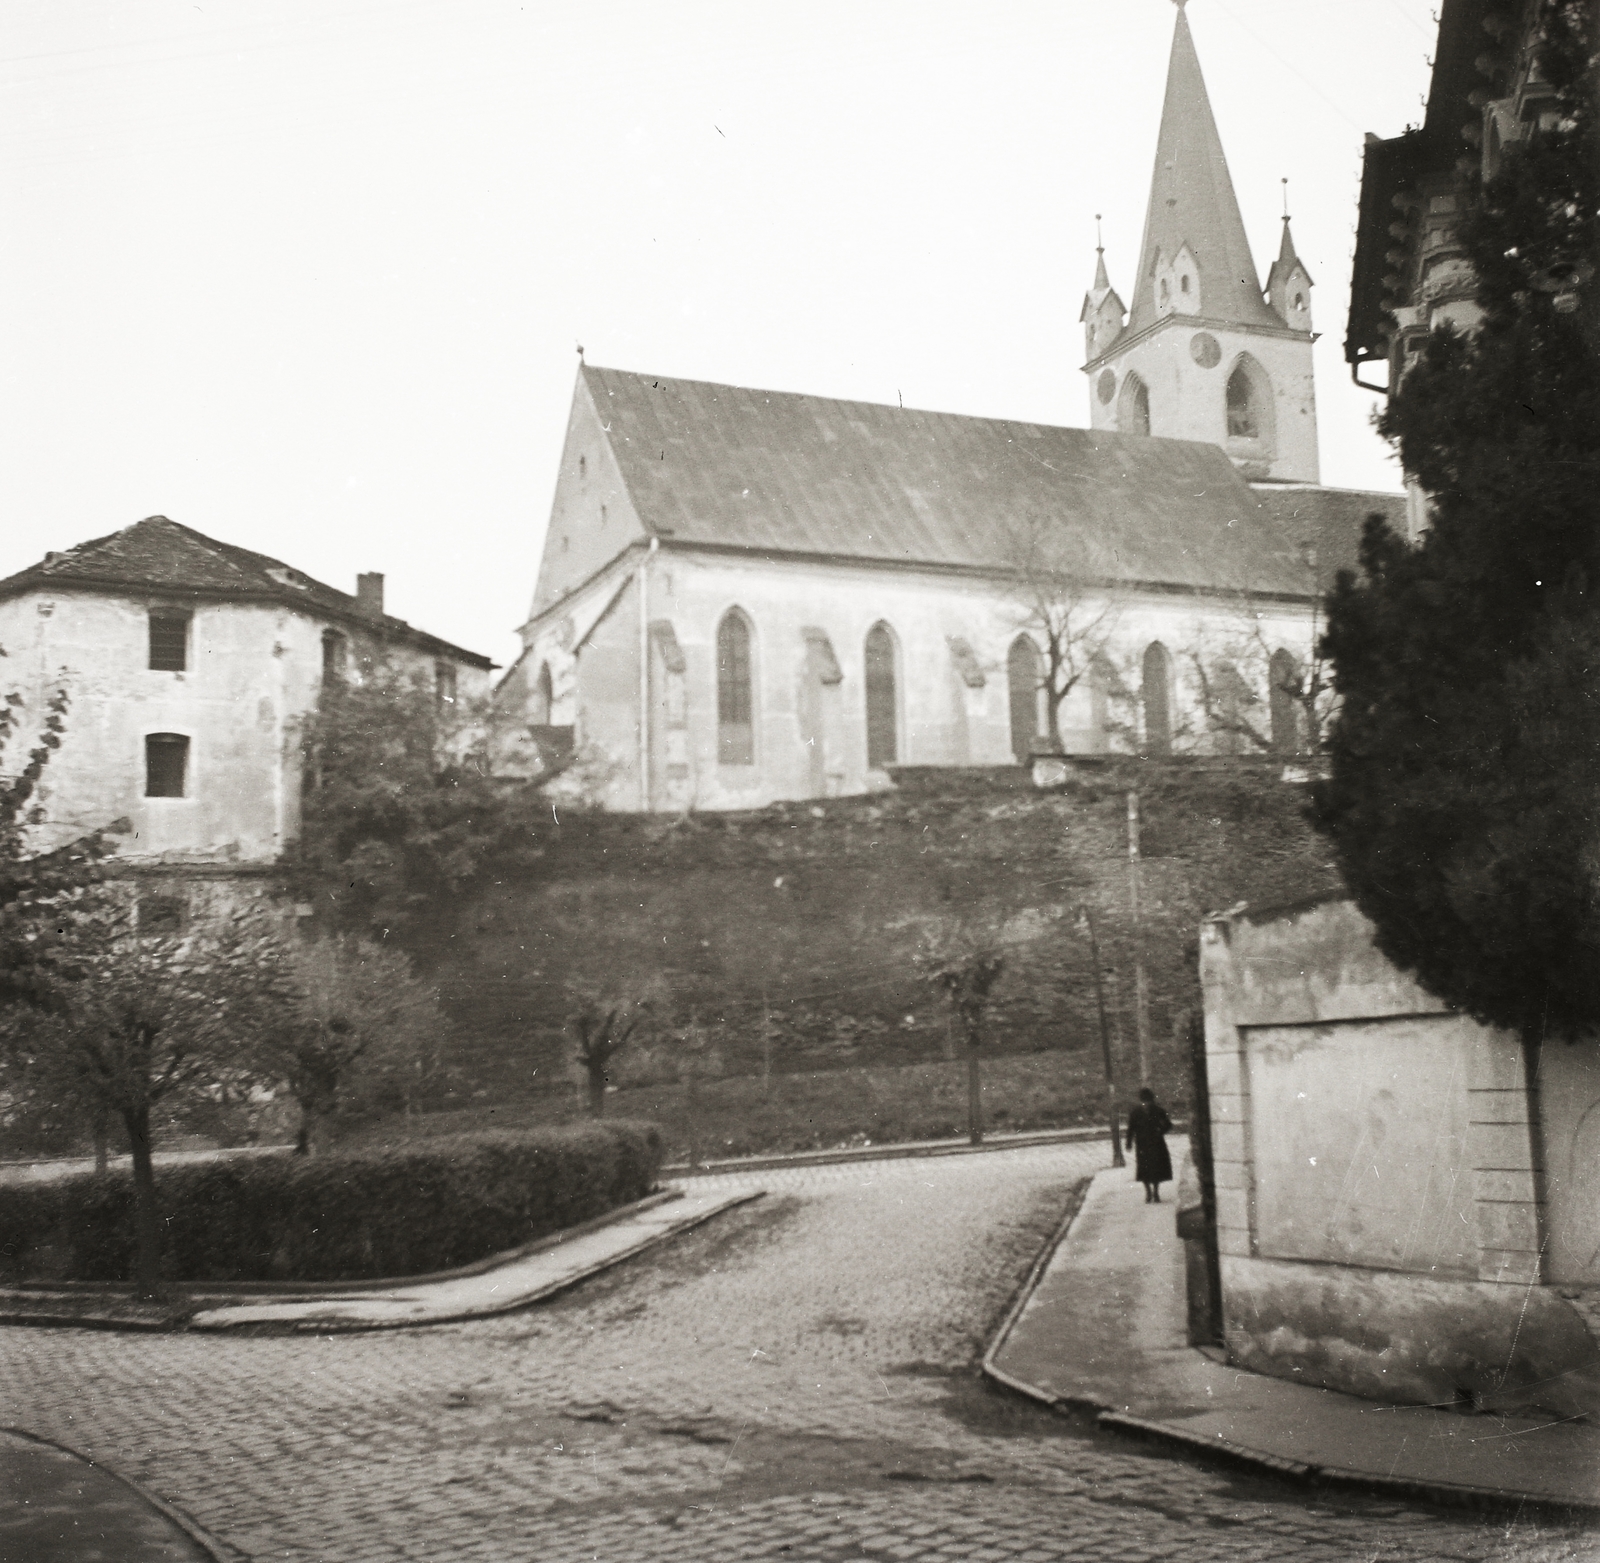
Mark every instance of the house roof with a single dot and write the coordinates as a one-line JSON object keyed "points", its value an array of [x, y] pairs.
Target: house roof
{"points": [[161, 556], [776, 473], [1329, 520], [1192, 202]]}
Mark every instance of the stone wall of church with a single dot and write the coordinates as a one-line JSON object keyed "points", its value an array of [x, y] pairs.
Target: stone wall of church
{"points": [[941, 686]]}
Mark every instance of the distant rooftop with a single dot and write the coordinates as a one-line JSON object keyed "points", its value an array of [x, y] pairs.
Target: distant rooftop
{"points": [[158, 555]]}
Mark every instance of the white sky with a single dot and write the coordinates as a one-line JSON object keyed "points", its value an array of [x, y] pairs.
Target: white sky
{"points": [[308, 275]]}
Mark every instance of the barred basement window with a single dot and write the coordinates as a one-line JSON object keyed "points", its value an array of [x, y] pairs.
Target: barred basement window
{"points": [[169, 640], [166, 765], [160, 914]]}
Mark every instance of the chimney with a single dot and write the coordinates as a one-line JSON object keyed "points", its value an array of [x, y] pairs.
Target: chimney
{"points": [[369, 593]]}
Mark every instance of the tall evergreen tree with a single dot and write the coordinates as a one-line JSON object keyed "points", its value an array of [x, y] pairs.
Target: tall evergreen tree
{"points": [[1464, 795]]}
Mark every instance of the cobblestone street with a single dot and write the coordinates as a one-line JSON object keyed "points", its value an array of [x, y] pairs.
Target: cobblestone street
{"points": [[795, 1380]]}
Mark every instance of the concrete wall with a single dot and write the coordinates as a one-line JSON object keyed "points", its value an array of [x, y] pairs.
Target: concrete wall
{"points": [[810, 620], [253, 671], [1385, 1219]]}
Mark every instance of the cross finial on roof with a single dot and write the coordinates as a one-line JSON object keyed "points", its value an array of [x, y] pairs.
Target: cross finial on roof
{"points": [[1285, 184], [580, 352], [1099, 239]]}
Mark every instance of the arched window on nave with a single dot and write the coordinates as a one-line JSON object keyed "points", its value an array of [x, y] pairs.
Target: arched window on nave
{"points": [[736, 734], [883, 719], [543, 696], [1283, 679], [1024, 679], [1156, 697]]}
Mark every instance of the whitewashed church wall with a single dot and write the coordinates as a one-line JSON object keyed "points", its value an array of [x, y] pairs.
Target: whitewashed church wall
{"points": [[810, 727]]}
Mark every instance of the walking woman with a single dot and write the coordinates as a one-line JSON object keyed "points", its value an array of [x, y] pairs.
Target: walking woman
{"points": [[1148, 1127]]}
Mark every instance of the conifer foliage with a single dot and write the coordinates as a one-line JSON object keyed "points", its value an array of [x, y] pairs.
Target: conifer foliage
{"points": [[1464, 795]]}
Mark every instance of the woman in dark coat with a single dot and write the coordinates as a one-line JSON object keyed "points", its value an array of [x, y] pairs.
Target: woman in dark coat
{"points": [[1148, 1127]]}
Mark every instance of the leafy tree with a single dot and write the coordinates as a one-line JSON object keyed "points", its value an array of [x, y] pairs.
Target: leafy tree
{"points": [[30, 880], [402, 806], [130, 1023], [1465, 758], [351, 1006]]}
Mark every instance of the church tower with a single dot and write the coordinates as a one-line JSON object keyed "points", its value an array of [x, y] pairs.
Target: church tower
{"points": [[1203, 355]]}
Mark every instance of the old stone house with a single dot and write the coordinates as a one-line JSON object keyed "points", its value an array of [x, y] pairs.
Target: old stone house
{"points": [[188, 663], [750, 595]]}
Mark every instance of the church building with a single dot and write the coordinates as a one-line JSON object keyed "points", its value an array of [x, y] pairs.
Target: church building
{"points": [[752, 595]]}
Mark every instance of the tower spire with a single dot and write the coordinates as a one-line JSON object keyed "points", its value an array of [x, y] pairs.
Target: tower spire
{"points": [[1192, 205]]}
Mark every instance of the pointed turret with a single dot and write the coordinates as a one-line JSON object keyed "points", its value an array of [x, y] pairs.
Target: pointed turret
{"points": [[1289, 285], [1103, 312], [1195, 258]]}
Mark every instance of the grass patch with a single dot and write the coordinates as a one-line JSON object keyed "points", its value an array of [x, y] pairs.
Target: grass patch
{"points": [[747, 1115]]}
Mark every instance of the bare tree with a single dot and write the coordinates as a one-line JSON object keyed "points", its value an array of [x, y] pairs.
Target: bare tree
{"points": [[601, 1028], [351, 1003], [1069, 618], [1233, 660], [965, 961]]}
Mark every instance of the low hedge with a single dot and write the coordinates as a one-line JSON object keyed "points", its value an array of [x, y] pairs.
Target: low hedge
{"points": [[344, 1216]]}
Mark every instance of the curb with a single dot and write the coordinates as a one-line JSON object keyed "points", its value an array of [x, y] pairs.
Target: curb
{"points": [[526, 1300], [217, 1550], [891, 1152], [1447, 1494], [312, 1290]]}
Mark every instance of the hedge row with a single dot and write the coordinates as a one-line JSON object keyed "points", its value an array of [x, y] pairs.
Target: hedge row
{"points": [[356, 1215]]}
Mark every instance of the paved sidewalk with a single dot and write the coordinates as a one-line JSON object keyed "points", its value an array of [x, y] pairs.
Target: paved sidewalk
{"points": [[58, 1507], [1104, 1326], [512, 1285]]}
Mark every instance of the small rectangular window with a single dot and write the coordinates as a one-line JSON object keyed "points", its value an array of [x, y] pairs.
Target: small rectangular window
{"points": [[333, 651], [444, 682], [169, 641], [166, 764]]}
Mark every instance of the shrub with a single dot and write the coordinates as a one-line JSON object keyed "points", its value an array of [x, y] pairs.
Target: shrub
{"points": [[354, 1215]]}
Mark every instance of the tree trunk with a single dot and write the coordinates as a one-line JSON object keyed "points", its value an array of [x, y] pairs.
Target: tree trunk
{"points": [[302, 1139], [597, 1092], [974, 1093], [102, 1145], [146, 1219]]}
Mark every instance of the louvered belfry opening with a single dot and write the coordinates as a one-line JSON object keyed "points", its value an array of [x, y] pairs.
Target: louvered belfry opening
{"points": [[736, 739], [882, 708]]}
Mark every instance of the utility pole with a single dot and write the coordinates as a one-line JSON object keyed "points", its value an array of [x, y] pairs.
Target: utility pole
{"points": [[1141, 983], [1105, 1039]]}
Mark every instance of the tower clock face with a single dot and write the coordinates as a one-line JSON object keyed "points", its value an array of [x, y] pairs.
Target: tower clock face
{"points": [[1106, 387], [1205, 350]]}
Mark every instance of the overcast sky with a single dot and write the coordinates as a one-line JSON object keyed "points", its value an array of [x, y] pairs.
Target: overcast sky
{"points": [[309, 275]]}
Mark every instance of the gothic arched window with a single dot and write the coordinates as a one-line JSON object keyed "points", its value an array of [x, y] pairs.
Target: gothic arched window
{"points": [[883, 719], [1283, 678], [1024, 678], [543, 696], [1156, 697], [1133, 416], [736, 734]]}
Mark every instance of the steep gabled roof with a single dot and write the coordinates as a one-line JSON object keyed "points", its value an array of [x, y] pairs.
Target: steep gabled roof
{"points": [[1329, 520], [778, 474], [1192, 202], [162, 557]]}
